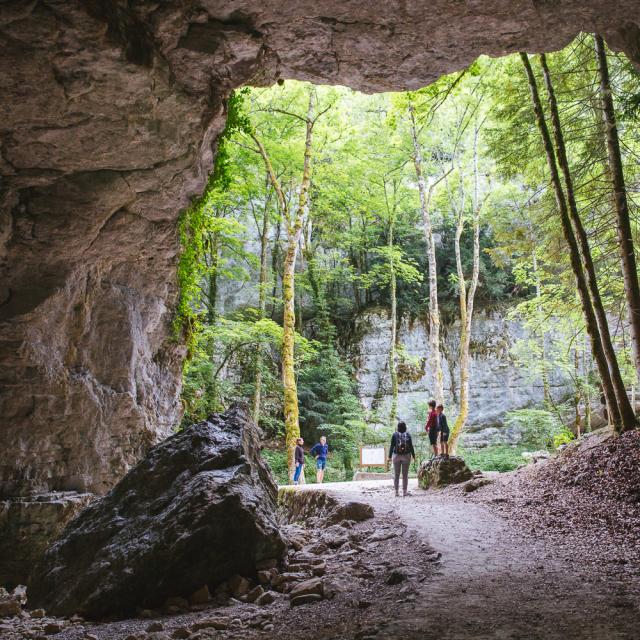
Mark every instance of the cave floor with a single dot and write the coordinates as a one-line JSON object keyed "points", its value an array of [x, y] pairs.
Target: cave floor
{"points": [[469, 573]]}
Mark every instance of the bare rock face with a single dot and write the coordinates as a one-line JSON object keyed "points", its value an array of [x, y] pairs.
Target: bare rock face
{"points": [[199, 508], [28, 526], [108, 121], [441, 471]]}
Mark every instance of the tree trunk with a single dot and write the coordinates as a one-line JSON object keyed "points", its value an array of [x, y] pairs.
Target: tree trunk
{"points": [[586, 372], [623, 222], [435, 359], [574, 253], [393, 351], [466, 299], [294, 232], [546, 392], [275, 253], [262, 308], [291, 412], [214, 260], [627, 417], [578, 391], [463, 353]]}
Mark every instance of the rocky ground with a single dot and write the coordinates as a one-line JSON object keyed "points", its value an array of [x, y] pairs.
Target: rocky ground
{"points": [[586, 501], [333, 576], [550, 551]]}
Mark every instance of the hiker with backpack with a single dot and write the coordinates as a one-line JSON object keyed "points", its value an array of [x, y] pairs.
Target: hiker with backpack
{"points": [[400, 453]]}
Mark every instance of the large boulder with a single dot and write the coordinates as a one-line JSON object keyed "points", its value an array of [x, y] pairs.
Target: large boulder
{"points": [[199, 508], [441, 471]]}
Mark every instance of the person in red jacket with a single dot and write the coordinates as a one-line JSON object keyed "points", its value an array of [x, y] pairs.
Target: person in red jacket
{"points": [[432, 427]]}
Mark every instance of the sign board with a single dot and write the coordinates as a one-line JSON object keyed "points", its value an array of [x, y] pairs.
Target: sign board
{"points": [[373, 456]]}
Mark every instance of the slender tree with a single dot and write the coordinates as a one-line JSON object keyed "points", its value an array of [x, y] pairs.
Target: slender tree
{"points": [[466, 295], [627, 416], [623, 222], [262, 298], [570, 239], [393, 313], [293, 220], [546, 390], [426, 194]]}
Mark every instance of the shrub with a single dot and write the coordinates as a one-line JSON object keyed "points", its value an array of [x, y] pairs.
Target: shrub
{"points": [[538, 427], [494, 458], [564, 436]]}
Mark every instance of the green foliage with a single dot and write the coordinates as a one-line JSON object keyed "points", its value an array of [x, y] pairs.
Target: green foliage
{"points": [[206, 389], [564, 436], [363, 193], [538, 427], [329, 405], [192, 224], [336, 470], [494, 458], [277, 461]]}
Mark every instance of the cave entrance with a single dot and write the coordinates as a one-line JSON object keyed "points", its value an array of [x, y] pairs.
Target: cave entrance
{"points": [[111, 115], [364, 254], [111, 119]]}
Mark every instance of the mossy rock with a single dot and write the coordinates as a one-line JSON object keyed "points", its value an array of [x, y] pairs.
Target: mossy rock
{"points": [[441, 472]]}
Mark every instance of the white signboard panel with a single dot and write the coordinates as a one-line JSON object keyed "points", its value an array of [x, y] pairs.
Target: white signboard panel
{"points": [[373, 456]]}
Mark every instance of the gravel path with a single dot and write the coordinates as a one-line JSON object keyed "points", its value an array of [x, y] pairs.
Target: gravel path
{"points": [[497, 581]]}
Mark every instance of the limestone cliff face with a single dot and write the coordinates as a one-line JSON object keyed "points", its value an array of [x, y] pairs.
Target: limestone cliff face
{"points": [[108, 120], [497, 383]]}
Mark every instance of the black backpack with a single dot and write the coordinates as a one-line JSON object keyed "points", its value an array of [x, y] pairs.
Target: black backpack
{"points": [[402, 443]]}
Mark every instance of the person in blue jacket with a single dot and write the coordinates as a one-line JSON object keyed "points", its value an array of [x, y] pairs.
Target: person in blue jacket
{"points": [[320, 451]]}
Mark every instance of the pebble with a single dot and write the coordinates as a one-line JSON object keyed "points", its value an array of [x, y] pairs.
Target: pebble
{"points": [[211, 623], [254, 594], [155, 626], [308, 598], [201, 596], [266, 598], [51, 628]]}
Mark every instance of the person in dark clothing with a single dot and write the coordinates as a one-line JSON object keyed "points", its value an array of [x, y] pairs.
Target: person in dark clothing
{"points": [[320, 451], [400, 453], [443, 430], [432, 427], [299, 458]]}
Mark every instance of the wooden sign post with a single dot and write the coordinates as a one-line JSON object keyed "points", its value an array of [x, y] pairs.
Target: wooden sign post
{"points": [[374, 456]]}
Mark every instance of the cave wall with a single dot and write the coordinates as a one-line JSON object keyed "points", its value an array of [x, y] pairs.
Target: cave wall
{"points": [[108, 119]]}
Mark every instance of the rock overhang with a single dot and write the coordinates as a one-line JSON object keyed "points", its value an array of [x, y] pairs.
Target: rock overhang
{"points": [[110, 114]]}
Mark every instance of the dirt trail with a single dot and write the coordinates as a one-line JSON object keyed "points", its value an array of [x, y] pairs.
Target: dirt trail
{"points": [[493, 580]]}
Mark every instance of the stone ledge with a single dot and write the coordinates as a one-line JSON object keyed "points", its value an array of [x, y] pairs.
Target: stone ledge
{"points": [[28, 525]]}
